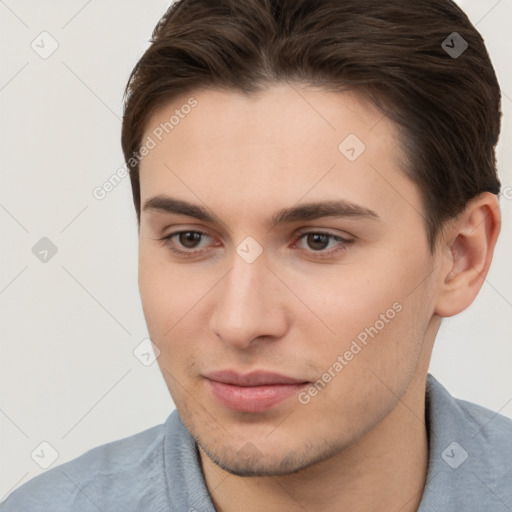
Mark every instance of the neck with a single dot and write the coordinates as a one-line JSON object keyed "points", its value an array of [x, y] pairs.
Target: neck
{"points": [[385, 470]]}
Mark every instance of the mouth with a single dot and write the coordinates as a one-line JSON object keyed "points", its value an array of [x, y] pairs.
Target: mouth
{"points": [[257, 391]]}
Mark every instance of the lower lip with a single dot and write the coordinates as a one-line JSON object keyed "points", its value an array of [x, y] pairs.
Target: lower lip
{"points": [[252, 398]]}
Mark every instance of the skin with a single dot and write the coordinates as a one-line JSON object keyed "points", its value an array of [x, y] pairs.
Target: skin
{"points": [[360, 443]]}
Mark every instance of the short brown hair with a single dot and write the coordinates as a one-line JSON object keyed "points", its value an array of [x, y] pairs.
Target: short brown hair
{"points": [[448, 108]]}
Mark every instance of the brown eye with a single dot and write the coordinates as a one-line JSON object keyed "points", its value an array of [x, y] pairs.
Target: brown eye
{"points": [[184, 243], [189, 239], [317, 241]]}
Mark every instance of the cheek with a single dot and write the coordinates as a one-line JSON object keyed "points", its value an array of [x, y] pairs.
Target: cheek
{"points": [[164, 294], [153, 288], [343, 300], [173, 301], [369, 303]]}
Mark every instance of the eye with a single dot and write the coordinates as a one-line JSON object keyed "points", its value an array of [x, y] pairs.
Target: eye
{"points": [[186, 239], [186, 242], [318, 241]]}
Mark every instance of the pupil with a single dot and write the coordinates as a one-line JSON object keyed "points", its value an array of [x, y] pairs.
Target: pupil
{"points": [[188, 237], [315, 237]]}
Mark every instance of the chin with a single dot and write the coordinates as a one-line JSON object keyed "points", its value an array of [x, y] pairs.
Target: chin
{"points": [[249, 461]]}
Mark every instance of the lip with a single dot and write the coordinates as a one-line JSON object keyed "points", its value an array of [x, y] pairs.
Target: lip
{"points": [[257, 391], [254, 378]]}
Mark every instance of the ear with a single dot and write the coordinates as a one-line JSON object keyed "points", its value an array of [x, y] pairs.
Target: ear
{"points": [[467, 247]]}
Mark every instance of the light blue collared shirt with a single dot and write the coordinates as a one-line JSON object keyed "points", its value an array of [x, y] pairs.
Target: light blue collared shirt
{"points": [[158, 470]]}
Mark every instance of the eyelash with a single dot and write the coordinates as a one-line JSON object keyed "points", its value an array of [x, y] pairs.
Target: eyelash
{"points": [[166, 241]]}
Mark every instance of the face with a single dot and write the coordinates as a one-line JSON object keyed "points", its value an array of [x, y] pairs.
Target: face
{"points": [[302, 252]]}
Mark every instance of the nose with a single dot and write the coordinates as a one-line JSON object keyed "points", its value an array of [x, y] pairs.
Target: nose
{"points": [[249, 306]]}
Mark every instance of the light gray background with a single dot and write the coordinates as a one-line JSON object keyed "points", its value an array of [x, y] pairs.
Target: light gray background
{"points": [[68, 375]]}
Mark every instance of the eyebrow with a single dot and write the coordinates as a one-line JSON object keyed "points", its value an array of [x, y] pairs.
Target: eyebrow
{"points": [[306, 211]]}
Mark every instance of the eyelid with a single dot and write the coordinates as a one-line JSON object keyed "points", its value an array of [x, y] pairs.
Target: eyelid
{"points": [[325, 231], [166, 241], [343, 243]]}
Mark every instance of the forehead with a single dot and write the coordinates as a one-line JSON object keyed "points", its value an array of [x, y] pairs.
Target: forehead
{"points": [[275, 147]]}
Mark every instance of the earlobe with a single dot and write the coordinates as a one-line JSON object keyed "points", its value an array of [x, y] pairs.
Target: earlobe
{"points": [[467, 254]]}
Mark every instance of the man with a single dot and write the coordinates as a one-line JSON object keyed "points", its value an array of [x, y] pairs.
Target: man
{"points": [[315, 184]]}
